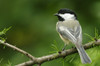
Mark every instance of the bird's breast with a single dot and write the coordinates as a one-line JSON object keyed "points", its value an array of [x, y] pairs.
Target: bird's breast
{"points": [[68, 23], [66, 41]]}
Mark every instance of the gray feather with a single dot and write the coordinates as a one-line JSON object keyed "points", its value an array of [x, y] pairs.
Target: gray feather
{"points": [[67, 34], [72, 31], [83, 55]]}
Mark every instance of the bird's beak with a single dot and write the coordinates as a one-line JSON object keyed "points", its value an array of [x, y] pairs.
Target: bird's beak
{"points": [[56, 14]]}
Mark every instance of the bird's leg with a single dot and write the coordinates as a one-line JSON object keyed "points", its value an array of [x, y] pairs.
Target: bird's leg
{"points": [[64, 47]]}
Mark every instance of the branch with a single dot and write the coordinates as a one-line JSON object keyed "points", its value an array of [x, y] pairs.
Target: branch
{"points": [[64, 53], [18, 49], [43, 59]]}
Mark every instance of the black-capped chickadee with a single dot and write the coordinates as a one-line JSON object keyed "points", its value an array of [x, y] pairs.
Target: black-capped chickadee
{"points": [[70, 30]]}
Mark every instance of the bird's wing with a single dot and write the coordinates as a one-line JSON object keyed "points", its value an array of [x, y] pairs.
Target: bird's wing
{"points": [[78, 34], [74, 35]]}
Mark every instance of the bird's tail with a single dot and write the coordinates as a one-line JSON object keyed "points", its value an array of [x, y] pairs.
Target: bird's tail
{"points": [[83, 55]]}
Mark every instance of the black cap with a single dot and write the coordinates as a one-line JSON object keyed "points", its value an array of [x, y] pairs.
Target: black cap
{"points": [[63, 11]]}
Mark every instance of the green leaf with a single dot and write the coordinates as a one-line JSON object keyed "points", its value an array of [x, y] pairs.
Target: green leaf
{"points": [[4, 31], [3, 40], [55, 47], [89, 36], [97, 36]]}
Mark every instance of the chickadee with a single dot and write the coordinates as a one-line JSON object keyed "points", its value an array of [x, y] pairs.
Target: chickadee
{"points": [[70, 30]]}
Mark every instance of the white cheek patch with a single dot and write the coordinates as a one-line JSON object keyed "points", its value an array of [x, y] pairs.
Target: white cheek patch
{"points": [[67, 16]]}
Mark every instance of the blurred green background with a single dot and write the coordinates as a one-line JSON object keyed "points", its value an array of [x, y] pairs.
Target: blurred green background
{"points": [[34, 29]]}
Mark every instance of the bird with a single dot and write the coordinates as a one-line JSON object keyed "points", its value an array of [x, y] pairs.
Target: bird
{"points": [[70, 31]]}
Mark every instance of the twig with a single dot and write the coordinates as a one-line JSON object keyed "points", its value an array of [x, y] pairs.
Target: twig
{"points": [[43, 59], [18, 49]]}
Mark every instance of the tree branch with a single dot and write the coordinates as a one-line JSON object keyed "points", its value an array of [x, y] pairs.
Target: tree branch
{"points": [[43, 59], [18, 49]]}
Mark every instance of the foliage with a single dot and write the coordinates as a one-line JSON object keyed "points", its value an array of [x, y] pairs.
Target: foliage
{"points": [[55, 47], [96, 35], [34, 27]]}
